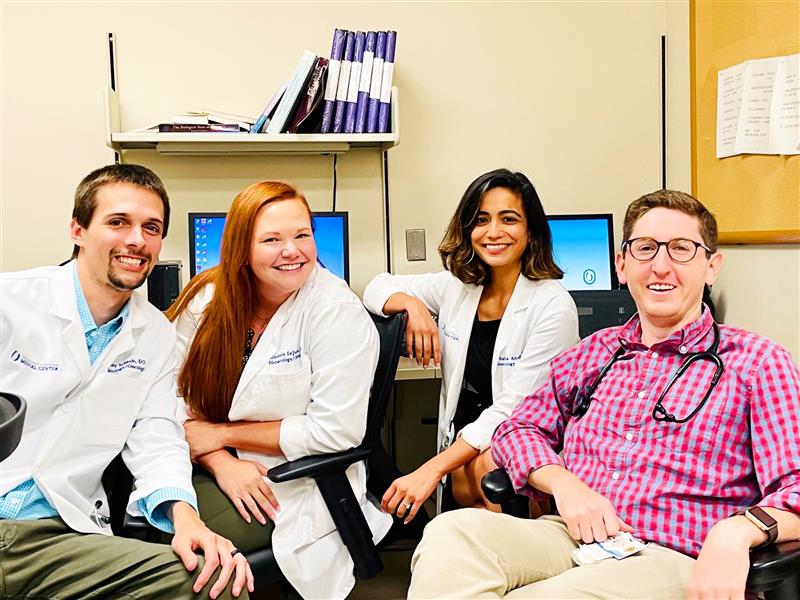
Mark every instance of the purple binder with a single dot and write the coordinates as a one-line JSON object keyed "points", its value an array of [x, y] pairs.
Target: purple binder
{"points": [[333, 79], [344, 82], [375, 84], [366, 77], [355, 80], [386, 84]]}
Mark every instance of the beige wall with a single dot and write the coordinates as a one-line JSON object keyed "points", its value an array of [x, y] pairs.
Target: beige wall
{"points": [[567, 92]]}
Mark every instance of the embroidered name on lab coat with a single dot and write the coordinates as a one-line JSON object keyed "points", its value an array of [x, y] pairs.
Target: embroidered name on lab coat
{"points": [[137, 364], [285, 357], [449, 333], [508, 361], [16, 356]]}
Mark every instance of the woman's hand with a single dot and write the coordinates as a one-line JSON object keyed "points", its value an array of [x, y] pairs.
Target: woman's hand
{"points": [[203, 437], [422, 333], [407, 494], [243, 482]]}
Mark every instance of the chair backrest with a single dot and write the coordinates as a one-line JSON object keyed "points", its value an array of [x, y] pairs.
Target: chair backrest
{"points": [[12, 416], [391, 331]]}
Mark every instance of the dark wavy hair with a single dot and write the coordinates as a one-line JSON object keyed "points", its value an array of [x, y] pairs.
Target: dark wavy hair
{"points": [[456, 250]]}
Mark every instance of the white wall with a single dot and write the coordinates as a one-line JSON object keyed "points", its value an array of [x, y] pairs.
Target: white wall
{"points": [[568, 93]]}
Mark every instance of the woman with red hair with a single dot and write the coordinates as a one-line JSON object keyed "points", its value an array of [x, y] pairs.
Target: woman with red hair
{"points": [[278, 358]]}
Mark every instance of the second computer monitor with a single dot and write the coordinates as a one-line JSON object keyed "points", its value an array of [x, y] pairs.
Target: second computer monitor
{"points": [[583, 246], [330, 233]]}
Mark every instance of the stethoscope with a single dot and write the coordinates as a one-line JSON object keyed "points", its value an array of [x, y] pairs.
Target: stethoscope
{"points": [[585, 397]]}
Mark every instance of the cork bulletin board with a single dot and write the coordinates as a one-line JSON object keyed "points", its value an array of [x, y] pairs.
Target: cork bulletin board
{"points": [[756, 198]]}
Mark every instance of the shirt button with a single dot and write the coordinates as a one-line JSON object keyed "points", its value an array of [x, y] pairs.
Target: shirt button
{"points": [[641, 394], [615, 475], [654, 354], [629, 437], [683, 349]]}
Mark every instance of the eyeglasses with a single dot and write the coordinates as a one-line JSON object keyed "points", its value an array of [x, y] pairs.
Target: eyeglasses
{"points": [[680, 250]]}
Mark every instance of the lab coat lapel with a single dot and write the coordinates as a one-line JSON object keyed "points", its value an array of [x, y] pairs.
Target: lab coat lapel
{"points": [[513, 318], [267, 345], [64, 305], [465, 317]]}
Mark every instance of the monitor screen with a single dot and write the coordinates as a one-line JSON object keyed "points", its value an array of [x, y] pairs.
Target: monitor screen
{"points": [[330, 233], [583, 246]]}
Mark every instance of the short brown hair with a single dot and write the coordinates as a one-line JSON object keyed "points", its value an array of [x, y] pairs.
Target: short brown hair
{"points": [[86, 192], [456, 251], [673, 200]]}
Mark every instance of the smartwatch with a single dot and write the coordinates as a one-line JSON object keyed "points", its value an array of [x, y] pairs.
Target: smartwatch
{"points": [[761, 519]]}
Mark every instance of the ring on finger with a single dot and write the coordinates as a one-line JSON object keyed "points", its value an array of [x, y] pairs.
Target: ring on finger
{"points": [[407, 505], [235, 551]]}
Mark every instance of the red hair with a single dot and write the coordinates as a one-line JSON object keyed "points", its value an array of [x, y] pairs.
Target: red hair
{"points": [[213, 362]]}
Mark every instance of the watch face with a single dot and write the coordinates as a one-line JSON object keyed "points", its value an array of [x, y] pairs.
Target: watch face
{"points": [[762, 517]]}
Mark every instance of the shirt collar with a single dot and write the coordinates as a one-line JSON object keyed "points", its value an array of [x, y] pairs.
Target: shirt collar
{"points": [[693, 333], [87, 321]]}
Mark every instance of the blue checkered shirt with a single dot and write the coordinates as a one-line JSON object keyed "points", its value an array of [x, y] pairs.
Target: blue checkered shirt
{"points": [[27, 502]]}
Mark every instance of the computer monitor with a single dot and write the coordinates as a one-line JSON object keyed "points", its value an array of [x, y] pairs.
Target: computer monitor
{"points": [[330, 233], [583, 246]]}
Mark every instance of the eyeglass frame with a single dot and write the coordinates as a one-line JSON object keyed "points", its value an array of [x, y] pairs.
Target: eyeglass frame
{"points": [[697, 246]]}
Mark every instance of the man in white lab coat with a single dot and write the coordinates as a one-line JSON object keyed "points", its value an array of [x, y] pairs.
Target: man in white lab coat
{"points": [[95, 364]]}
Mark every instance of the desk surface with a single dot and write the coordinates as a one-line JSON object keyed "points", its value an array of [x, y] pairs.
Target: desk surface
{"points": [[408, 369]]}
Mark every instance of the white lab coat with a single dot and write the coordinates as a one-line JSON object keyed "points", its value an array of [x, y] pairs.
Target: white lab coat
{"points": [[79, 415], [539, 322], [312, 369]]}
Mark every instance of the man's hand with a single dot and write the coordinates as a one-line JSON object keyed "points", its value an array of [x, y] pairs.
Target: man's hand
{"points": [[243, 482], [724, 560], [407, 494], [191, 534], [203, 437], [589, 516]]}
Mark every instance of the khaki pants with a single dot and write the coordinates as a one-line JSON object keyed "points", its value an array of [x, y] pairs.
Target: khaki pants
{"points": [[45, 559], [474, 553]]}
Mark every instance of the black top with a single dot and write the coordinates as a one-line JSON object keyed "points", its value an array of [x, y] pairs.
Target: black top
{"points": [[476, 387]]}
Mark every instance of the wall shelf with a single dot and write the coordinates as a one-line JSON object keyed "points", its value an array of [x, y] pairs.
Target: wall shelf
{"points": [[244, 143]]}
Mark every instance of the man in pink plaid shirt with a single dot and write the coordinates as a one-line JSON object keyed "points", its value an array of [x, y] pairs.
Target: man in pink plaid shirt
{"points": [[671, 457]]}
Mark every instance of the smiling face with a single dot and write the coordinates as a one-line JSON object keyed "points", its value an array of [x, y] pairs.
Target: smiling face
{"points": [[282, 252], [668, 294], [500, 234], [120, 245]]}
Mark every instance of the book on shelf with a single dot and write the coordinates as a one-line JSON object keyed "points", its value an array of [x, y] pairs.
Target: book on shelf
{"points": [[332, 83], [199, 128], [218, 116], [355, 80], [266, 115], [375, 84], [291, 97], [385, 103], [363, 87], [307, 118], [344, 82]]}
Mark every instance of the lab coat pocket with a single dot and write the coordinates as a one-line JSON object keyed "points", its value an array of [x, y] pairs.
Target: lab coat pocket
{"points": [[110, 410], [275, 393]]}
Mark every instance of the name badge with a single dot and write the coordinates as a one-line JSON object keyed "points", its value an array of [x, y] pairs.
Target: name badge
{"points": [[287, 356], [509, 360], [137, 364]]}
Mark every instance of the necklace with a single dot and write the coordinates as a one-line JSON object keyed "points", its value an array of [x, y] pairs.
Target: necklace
{"points": [[251, 334]]}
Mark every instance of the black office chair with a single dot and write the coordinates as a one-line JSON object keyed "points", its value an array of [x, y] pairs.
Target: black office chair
{"points": [[12, 415], [774, 570], [328, 470]]}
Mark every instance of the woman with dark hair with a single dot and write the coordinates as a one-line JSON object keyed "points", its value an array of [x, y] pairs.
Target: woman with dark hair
{"points": [[278, 358], [501, 317]]}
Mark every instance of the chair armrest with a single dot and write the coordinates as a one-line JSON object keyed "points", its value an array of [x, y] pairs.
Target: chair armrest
{"points": [[140, 529], [329, 473], [770, 565], [497, 488], [315, 466]]}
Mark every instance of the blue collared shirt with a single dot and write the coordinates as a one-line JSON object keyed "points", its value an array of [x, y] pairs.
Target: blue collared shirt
{"points": [[27, 502]]}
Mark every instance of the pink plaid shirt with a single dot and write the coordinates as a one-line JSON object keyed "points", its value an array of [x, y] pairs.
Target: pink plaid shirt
{"points": [[671, 482]]}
